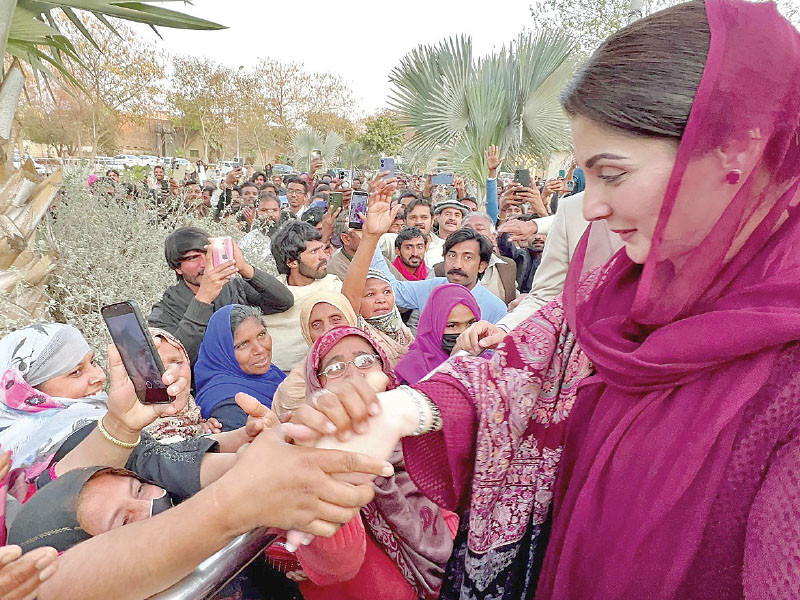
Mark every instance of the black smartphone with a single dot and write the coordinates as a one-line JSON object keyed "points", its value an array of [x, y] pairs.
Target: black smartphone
{"points": [[358, 207], [139, 355], [335, 200], [523, 177]]}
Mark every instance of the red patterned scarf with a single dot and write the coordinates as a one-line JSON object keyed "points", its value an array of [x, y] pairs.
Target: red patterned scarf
{"points": [[420, 275]]}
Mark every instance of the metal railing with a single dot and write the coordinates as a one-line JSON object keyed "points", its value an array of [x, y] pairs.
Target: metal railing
{"points": [[218, 570]]}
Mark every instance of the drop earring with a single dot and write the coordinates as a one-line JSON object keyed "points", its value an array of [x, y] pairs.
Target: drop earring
{"points": [[733, 176]]}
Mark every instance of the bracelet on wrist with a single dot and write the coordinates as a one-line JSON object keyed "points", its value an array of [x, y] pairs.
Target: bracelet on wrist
{"points": [[422, 402], [104, 432]]}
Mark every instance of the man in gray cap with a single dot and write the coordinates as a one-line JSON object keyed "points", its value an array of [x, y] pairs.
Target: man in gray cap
{"points": [[202, 288], [447, 217]]}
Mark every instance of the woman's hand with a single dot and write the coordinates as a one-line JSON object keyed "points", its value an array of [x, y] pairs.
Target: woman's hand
{"points": [[479, 337], [5, 464], [343, 408], [124, 409], [22, 574]]}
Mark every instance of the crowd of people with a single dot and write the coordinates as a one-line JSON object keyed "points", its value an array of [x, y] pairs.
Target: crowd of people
{"points": [[580, 388]]}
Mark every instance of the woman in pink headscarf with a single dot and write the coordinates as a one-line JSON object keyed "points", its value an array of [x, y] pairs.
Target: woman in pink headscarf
{"points": [[648, 417], [450, 309]]}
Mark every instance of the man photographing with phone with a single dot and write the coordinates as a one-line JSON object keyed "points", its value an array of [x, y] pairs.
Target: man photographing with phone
{"points": [[202, 288]]}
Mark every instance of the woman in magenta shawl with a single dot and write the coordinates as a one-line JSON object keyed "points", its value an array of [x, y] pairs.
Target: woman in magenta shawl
{"points": [[450, 309], [648, 417]]}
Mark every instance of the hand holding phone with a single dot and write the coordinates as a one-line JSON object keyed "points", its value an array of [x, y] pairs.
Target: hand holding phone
{"points": [[387, 164], [523, 177], [442, 179], [358, 207], [132, 338], [222, 249], [335, 200]]}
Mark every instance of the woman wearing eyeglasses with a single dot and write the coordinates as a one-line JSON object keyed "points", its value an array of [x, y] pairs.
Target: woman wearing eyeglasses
{"points": [[399, 546]]}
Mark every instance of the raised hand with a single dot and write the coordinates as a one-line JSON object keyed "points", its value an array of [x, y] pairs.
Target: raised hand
{"points": [[493, 160], [534, 199], [519, 231], [380, 213]]}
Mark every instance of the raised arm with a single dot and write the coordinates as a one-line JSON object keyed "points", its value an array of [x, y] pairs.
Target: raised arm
{"points": [[378, 220]]}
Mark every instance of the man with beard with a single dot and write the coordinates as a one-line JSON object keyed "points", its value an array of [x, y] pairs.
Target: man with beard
{"points": [[466, 256], [202, 288], [500, 277], [409, 265], [301, 261]]}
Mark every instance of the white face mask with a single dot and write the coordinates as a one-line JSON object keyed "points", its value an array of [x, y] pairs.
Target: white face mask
{"points": [[160, 504]]}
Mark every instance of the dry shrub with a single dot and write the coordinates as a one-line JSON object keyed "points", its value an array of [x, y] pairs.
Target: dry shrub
{"points": [[112, 249]]}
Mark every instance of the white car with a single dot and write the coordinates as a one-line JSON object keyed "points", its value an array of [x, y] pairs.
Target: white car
{"points": [[226, 166], [148, 160], [126, 161]]}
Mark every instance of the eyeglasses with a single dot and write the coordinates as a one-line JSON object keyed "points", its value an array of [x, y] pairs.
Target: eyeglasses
{"points": [[295, 192], [337, 369]]}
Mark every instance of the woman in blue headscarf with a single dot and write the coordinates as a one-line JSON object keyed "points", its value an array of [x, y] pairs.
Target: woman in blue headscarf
{"points": [[235, 356]]}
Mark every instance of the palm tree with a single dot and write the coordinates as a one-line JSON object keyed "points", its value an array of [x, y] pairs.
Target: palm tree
{"points": [[352, 155], [458, 105], [306, 140], [29, 35]]}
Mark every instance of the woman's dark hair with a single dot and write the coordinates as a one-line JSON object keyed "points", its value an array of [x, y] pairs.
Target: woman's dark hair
{"points": [[643, 79], [407, 233], [258, 174], [465, 234], [240, 312], [290, 242]]}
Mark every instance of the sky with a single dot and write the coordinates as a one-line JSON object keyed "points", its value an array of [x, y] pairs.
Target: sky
{"points": [[359, 40]]}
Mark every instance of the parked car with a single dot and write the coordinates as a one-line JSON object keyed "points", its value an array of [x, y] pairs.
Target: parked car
{"points": [[126, 161], [149, 160]]}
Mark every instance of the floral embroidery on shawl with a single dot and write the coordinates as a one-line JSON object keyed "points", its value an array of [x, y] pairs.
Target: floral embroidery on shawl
{"points": [[523, 396]]}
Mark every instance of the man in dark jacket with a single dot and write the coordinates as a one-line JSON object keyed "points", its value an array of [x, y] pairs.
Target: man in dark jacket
{"points": [[202, 288]]}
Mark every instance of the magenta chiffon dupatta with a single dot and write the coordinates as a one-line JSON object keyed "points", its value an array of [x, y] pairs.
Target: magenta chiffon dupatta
{"points": [[682, 343]]}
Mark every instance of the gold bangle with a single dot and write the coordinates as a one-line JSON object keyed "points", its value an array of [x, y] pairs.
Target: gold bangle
{"points": [[114, 440]]}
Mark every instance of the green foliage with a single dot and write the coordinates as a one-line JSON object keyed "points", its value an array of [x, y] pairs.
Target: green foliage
{"points": [[35, 38], [353, 155], [384, 135], [307, 140], [457, 105]]}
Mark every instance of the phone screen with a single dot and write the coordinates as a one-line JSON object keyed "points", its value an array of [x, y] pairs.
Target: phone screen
{"points": [[358, 205], [562, 173], [138, 352]]}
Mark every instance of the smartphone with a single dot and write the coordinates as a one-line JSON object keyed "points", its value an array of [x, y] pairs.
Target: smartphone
{"points": [[284, 200], [335, 200], [239, 163], [387, 164], [316, 154], [523, 177], [562, 173], [221, 249], [442, 179], [346, 178], [358, 206], [139, 355]]}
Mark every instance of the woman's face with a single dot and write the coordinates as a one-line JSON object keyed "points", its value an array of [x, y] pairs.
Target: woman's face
{"points": [[86, 379], [323, 318], [459, 319], [109, 501], [253, 346], [626, 180], [377, 299], [170, 355], [346, 350]]}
